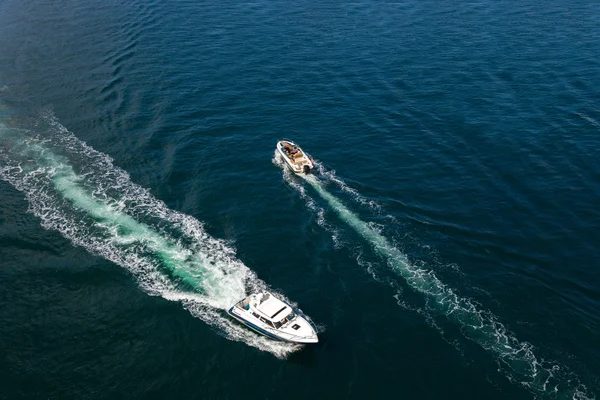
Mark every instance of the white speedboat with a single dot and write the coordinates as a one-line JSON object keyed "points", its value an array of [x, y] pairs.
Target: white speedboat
{"points": [[274, 318], [294, 157]]}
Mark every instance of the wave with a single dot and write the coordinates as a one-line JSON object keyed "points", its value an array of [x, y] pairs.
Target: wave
{"points": [[330, 175], [80, 193], [288, 177], [516, 359]]}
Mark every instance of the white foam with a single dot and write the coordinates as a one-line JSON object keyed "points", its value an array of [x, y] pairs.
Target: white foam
{"points": [[589, 119], [80, 193], [516, 359], [331, 176], [291, 180]]}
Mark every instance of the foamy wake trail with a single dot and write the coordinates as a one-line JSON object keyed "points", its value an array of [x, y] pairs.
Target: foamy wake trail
{"points": [[288, 177], [80, 193], [516, 359], [331, 176]]}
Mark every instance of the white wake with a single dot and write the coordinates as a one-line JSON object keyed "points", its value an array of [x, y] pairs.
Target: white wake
{"points": [[516, 359], [80, 193]]}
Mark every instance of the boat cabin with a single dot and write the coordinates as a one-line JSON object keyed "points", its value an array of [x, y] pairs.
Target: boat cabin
{"points": [[266, 314], [268, 309]]}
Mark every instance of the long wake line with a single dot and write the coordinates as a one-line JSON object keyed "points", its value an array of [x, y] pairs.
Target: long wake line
{"points": [[80, 193], [517, 358]]}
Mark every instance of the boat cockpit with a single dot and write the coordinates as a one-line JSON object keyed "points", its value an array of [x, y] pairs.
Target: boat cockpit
{"points": [[293, 152]]}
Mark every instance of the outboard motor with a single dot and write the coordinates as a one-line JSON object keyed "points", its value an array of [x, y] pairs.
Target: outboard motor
{"points": [[306, 170]]}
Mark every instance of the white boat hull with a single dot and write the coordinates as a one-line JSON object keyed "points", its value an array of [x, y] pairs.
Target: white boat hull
{"points": [[297, 160], [286, 324]]}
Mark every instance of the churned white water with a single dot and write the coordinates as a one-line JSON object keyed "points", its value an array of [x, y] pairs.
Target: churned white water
{"points": [[95, 205]]}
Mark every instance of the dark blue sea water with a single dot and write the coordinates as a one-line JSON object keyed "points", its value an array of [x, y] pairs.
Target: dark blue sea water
{"points": [[447, 246]]}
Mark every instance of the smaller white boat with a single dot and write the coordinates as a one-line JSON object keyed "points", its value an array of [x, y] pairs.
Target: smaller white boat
{"points": [[274, 318], [294, 157]]}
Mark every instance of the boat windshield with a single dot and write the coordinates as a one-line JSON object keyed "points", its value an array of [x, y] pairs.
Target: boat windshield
{"points": [[288, 318]]}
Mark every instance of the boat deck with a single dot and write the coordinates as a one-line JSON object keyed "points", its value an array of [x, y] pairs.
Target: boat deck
{"points": [[294, 153]]}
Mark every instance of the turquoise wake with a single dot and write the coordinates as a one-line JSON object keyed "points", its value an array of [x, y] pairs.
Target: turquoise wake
{"points": [[517, 359], [80, 193]]}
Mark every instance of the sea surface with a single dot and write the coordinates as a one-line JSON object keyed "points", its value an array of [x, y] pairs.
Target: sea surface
{"points": [[447, 246]]}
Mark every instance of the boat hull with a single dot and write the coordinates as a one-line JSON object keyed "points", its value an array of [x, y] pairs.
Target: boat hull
{"points": [[300, 167], [266, 333]]}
